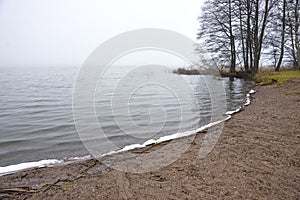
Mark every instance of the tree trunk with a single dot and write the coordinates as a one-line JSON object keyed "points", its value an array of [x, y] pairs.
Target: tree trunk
{"points": [[248, 42], [258, 40], [242, 37], [232, 42], [292, 42], [297, 33], [256, 43], [282, 37]]}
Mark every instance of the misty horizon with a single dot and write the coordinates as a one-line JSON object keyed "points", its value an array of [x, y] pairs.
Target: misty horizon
{"points": [[53, 33]]}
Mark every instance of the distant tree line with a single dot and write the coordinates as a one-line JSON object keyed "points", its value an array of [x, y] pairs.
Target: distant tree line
{"points": [[247, 33]]}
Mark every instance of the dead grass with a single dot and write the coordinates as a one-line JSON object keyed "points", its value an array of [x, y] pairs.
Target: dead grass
{"points": [[279, 78]]}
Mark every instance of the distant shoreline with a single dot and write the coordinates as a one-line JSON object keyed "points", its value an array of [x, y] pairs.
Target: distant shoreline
{"points": [[222, 73]]}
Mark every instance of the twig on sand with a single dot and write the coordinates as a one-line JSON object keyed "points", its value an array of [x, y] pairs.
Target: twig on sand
{"points": [[49, 186], [17, 190]]}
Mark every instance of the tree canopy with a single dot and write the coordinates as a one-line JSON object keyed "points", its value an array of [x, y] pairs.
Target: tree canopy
{"points": [[251, 33]]}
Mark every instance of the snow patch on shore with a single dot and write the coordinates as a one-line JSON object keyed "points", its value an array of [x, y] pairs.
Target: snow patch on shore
{"points": [[248, 100], [42, 163]]}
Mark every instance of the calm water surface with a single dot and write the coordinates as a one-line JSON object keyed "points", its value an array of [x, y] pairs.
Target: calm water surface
{"points": [[36, 119]]}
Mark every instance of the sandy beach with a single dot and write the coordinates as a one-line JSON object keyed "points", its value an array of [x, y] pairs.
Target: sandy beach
{"points": [[256, 157]]}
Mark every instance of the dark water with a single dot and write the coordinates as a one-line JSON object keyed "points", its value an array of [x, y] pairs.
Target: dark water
{"points": [[36, 118]]}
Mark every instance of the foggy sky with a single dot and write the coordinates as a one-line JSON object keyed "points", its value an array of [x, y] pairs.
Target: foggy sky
{"points": [[65, 32]]}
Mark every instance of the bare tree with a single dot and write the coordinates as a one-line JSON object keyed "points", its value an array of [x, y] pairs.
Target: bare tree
{"points": [[283, 24], [217, 30], [292, 45], [276, 35], [262, 10]]}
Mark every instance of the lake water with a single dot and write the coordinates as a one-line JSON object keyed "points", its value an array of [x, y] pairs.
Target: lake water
{"points": [[36, 116]]}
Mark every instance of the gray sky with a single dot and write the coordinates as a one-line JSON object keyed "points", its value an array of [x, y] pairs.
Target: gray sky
{"points": [[65, 32]]}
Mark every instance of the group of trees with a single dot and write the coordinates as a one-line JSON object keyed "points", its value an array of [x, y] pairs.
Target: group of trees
{"points": [[250, 33]]}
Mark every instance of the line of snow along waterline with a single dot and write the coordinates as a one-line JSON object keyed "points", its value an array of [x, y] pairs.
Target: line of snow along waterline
{"points": [[52, 162], [187, 133]]}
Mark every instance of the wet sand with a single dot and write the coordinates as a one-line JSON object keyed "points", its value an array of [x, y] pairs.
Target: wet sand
{"points": [[256, 157]]}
